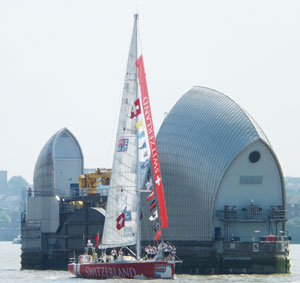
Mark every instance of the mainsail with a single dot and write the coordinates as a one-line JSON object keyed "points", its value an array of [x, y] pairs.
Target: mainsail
{"points": [[131, 160], [120, 221]]}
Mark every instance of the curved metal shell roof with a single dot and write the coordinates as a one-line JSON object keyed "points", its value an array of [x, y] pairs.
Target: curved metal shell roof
{"points": [[200, 137], [44, 175]]}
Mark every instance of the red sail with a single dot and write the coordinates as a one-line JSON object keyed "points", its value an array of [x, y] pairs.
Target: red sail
{"points": [[152, 142]]}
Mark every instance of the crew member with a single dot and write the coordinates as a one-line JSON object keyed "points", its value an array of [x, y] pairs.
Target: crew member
{"points": [[103, 255], [147, 250], [173, 252], [166, 251], [154, 249], [114, 253]]}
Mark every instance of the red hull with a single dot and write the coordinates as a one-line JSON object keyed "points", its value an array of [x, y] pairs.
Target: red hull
{"points": [[141, 269]]}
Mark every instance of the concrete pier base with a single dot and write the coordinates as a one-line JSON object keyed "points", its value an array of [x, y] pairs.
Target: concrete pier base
{"points": [[235, 258]]}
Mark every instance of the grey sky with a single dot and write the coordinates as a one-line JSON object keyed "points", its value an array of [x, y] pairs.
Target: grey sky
{"points": [[62, 64]]}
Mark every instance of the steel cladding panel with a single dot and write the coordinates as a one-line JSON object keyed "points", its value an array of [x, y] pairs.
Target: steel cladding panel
{"points": [[197, 141], [61, 145], [44, 168], [67, 171]]}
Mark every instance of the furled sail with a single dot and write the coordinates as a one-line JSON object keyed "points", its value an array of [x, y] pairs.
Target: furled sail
{"points": [[121, 213]]}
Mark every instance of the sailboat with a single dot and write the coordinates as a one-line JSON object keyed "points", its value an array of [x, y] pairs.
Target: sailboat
{"points": [[122, 227]]}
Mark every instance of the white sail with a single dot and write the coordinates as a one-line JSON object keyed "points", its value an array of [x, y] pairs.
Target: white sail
{"points": [[122, 194]]}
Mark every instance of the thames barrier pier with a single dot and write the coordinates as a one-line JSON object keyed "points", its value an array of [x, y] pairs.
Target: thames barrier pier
{"points": [[224, 191]]}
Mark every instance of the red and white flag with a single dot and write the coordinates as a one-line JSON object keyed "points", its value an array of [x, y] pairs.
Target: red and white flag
{"points": [[121, 221], [97, 240], [136, 109], [158, 235], [153, 205], [150, 196]]}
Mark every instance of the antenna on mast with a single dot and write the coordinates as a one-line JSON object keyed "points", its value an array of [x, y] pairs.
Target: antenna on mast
{"points": [[136, 7]]}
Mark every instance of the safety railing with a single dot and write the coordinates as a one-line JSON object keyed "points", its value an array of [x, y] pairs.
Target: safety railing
{"points": [[252, 213]]}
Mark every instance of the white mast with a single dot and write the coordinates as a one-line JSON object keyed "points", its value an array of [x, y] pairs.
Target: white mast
{"points": [[138, 199]]}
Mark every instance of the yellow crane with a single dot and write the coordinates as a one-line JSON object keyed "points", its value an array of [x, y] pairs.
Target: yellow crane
{"points": [[89, 181]]}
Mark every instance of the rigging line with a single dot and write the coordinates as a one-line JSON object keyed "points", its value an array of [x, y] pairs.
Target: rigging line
{"points": [[127, 136], [112, 227], [131, 206], [117, 209], [121, 186]]}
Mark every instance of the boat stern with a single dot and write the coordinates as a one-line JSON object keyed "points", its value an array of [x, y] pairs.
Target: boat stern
{"points": [[164, 270], [71, 268], [74, 268]]}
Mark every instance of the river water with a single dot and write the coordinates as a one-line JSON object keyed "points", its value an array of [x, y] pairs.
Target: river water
{"points": [[10, 272]]}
